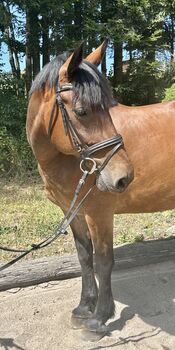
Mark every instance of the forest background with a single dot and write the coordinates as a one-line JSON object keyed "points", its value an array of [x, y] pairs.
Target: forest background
{"points": [[139, 62]]}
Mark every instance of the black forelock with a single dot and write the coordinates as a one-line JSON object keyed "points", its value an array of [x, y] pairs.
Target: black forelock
{"points": [[89, 85]]}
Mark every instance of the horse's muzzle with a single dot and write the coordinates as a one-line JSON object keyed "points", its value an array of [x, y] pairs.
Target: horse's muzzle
{"points": [[105, 182]]}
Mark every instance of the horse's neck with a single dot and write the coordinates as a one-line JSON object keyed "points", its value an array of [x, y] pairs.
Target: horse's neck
{"points": [[37, 129], [141, 122]]}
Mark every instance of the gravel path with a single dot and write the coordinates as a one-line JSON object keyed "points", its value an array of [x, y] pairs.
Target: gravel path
{"points": [[38, 317]]}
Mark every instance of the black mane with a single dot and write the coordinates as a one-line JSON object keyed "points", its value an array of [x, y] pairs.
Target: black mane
{"points": [[89, 85], [49, 73]]}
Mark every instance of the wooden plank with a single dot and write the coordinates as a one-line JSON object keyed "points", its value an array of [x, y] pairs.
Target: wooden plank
{"points": [[46, 269], [40, 270]]}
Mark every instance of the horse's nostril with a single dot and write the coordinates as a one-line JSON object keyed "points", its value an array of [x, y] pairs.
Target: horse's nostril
{"points": [[122, 183]]}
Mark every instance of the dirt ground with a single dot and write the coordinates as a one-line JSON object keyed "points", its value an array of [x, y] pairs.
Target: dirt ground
{"points": [[38, 317]]}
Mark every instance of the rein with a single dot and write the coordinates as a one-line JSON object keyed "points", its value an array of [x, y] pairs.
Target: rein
{"points": [[62, 229], [85, 152]]}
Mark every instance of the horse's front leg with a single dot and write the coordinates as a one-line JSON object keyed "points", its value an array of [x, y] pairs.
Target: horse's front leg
{"points": [[101, 230], [89, 291]]}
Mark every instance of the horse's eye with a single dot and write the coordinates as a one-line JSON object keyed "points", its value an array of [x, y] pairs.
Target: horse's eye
{"points": [[80, 112]]}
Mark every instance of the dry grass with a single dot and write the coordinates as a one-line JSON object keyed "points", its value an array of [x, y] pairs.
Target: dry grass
{"points": [[26, 217]]}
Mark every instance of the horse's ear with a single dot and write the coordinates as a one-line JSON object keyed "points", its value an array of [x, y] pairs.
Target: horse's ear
{"points": [[75, 61], [69, 68], [96, 56]]}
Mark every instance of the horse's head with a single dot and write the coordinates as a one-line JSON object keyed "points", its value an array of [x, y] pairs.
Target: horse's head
{"points": [[82, 120], [86, 96]]}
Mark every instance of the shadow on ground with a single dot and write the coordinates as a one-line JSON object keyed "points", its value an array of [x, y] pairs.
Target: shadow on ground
{"points": [[8, 343]]}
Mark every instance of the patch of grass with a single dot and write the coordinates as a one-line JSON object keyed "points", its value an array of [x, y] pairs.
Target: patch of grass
{"points": [[140, 227], [27, 216]]}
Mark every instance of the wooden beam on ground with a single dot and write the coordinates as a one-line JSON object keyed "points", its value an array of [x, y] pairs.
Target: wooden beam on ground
{"points": [[31, 272]]}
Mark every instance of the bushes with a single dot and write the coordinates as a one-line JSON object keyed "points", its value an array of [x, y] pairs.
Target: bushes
{"points": [[13, 105], [16, 158], [170, 93], [143, 83]]}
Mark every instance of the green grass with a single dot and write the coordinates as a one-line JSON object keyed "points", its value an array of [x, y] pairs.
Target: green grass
{"points": [[27, 216], [140, 227]]}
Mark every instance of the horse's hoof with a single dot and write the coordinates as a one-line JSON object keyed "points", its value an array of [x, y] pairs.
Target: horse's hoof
{"points": [[93, 336], [77, 322], [94, 330]]}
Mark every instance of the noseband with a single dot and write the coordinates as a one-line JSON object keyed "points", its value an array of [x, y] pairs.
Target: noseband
{"points": [[82, 148]]}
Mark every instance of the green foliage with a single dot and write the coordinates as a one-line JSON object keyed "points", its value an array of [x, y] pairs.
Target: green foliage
{"points": [[12, 104], [15, 155], [141, 77], [16, 158], [139, 32], [138, 27], [170, 93]]}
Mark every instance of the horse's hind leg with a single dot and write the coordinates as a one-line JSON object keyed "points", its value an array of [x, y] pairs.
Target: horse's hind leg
{"points": [[89, 293]]}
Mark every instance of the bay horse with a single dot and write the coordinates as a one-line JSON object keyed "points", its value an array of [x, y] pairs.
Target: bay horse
{"points": [[67, 120], [149, 137]]}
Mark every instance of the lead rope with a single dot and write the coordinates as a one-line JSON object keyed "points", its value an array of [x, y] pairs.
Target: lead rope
{"points": [[70, 215]]}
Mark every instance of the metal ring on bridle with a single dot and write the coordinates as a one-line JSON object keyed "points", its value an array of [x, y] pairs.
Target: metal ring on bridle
{"points": [[82, 165]]}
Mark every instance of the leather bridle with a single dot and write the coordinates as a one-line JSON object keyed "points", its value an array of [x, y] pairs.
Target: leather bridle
{"points": [[80, 146]]}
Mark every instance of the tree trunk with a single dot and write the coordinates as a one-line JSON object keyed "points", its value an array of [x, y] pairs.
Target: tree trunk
{"points": [[17, 65], [68, 27], [118, 62], [28, 75], [78, 20], [34, 40], [11, 42], [32, 45], [103, 65], [10, 51], [15, 53], [172, 39], [104, 19], [45, 44], [151, 79]]}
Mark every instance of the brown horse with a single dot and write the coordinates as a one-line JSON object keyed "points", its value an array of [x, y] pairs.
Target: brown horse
{"points": [[149, 138], [61, 133]]}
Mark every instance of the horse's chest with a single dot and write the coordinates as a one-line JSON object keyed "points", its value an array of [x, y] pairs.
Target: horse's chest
{"points": [[58, 185]]}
